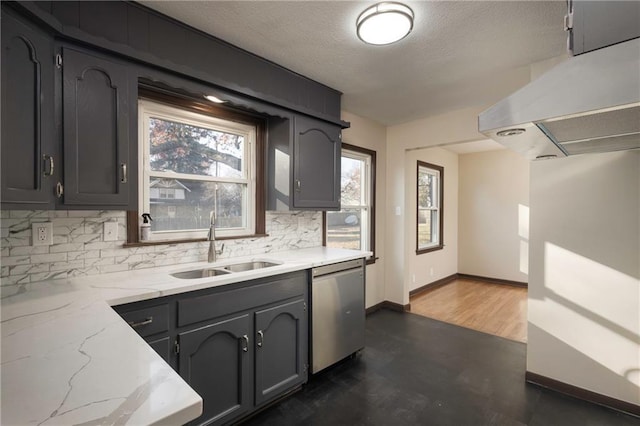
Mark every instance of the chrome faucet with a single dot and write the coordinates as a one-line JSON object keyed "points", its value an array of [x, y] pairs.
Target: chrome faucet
{"points": [[212, 240]]}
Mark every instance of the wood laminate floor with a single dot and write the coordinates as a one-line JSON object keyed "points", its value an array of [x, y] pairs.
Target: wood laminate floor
{"points": [[416, 371], [496, 309]]}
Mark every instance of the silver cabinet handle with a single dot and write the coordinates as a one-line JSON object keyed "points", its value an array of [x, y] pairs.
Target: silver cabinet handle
{"points": [[123, 168], [298, 185], [260, 338], [49, 158], [59, 190], [145, 321], [245, 347]]}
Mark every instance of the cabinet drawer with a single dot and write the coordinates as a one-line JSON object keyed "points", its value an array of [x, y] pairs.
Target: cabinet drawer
{"points": [[222, 303], [148, 321]]}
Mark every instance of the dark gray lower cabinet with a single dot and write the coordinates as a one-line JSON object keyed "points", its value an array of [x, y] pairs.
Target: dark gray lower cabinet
{"points": [[242, 362], [280, 358], [239, 346], [163, 347], [216, 362]]}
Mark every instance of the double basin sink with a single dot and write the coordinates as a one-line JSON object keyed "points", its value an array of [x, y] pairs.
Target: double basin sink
{"points": [[222, 270]]}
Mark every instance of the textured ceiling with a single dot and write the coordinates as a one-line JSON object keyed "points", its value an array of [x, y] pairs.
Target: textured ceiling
{"points": [[459, 54]]}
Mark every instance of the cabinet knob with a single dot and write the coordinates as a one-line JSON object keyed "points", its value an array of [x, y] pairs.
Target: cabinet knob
{"points": [[49, 159], [123, 169], [245, 346], [59, 190]]}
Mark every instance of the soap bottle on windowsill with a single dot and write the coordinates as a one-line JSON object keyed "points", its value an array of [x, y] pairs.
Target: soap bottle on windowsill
{"points": [[145, 228]]}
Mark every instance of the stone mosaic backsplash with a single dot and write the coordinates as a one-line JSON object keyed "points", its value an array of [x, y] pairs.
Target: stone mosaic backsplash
{"points": [[79, 248]]}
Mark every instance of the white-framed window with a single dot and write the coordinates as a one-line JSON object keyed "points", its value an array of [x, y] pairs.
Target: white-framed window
{"points": [[192, 164], [353, 226], [430, 194]]}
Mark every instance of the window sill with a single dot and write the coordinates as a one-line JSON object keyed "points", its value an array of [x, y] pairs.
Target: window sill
{"points": [[371, 260], [189, 240], [430, 249]]}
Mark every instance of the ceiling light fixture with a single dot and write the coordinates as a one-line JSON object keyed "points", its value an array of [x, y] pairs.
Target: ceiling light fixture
{"points": [[384, 23], [214, 99]]}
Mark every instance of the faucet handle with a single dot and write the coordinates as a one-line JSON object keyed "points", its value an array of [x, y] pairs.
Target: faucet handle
{"points": [[221, 249]]}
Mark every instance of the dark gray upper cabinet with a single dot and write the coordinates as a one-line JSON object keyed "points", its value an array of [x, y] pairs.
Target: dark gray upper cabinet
{"points": [[215, 361], [280, 349], [598, 24], [96, 126], [28, 142], [303, 158], [316, 156]]}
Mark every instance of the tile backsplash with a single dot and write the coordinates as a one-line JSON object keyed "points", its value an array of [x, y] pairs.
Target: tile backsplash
{"points": [[79, 248]]}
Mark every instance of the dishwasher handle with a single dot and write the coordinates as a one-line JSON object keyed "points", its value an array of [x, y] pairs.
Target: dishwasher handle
{"points": [[337, 267]]}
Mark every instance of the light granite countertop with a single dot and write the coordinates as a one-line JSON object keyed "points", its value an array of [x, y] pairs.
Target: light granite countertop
{"points": [[68, 358]]}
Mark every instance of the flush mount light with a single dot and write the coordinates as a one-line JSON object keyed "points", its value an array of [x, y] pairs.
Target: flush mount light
{"points": [[511, 132], [384, 23], [214, 99]]}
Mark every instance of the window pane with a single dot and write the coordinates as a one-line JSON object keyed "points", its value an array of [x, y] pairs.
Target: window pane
{"points": [[427, 189], [183, 148], [352, 182], [344, 229], [231, 204], [184, 205], [425, 234]]}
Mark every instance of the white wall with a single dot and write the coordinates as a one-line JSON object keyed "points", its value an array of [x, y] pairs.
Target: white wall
{"points": [[372, 135], [494, 215], [432, 266], [584, 275]]}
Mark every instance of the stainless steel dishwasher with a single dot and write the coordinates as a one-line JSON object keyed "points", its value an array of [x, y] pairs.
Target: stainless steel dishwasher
{"points": [[337, 312]]}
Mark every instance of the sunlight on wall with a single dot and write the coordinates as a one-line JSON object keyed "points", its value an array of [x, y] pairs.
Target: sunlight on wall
{"points": [[576, 311], [523, 232]]}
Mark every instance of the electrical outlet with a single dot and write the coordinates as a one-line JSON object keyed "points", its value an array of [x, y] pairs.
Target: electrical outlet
{"points": [[110, 231], [42, 233]]}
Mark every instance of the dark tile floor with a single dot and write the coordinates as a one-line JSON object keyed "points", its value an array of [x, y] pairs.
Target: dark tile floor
{"points": [[419, 371]]}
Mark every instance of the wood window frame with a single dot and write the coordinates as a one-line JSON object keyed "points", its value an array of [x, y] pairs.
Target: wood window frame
{"points": [[372, 232], [440, 244], [219, 111]]}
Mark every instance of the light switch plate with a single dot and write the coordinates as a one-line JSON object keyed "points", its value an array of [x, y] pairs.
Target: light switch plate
{"points": [[110, 231], [42, 234]]}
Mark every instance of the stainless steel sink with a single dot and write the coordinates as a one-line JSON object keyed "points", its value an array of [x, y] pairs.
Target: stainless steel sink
{"points": [[248, 266], [222, 270], [200, 273]]}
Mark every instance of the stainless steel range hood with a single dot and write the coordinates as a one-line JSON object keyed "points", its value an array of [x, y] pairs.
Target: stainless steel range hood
{"points": [[588, 103]]}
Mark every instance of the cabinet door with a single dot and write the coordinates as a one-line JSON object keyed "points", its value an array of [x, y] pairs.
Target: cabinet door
{"points": [[96, 131], [598, 24], [280, 349], [316, 181], [216, 362], [27, 115]]}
